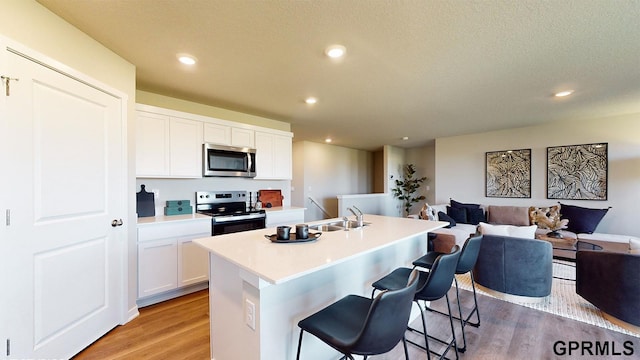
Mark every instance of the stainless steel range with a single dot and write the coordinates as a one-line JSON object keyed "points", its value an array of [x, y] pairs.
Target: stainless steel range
{"points": [[229, 211]]}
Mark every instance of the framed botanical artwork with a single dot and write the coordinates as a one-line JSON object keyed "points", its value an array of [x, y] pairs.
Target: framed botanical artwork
{"points": [[577, 172], [508, 173]]}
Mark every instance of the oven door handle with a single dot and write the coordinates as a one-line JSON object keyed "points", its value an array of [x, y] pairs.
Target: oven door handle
{"points": [[224, 219]]}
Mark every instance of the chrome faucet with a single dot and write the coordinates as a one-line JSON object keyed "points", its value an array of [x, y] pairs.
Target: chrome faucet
{"points": [[358, 215]]}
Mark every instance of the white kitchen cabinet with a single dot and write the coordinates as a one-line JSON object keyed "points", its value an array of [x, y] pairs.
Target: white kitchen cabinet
{"points": [[157, 264], [168, 260], [168, 147], [193, 262], [241, 137], [221, 134], [217, 134], [273, 156]]}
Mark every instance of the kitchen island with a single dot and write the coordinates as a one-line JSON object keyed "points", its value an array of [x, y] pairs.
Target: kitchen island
{"points": [[259, 290]]}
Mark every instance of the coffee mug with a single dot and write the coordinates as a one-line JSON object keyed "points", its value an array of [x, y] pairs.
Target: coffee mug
{"points": [[302, 231], [283, 232]]}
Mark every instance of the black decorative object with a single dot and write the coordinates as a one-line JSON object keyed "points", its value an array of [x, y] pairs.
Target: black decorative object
{"points": [[508, 173], [577, 172]]}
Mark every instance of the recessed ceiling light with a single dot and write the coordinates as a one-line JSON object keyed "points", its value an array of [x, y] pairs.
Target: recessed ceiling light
{"points": [[335, 51], [405, 138], [311, 100], [186, 59], [328, 140], [563, 93]]}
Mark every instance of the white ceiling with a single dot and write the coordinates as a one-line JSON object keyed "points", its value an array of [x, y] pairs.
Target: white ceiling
{"points": [[417, 68]]}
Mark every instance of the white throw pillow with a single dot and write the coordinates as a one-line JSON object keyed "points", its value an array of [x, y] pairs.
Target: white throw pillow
{"points": [[527, 232], [634, 246]]}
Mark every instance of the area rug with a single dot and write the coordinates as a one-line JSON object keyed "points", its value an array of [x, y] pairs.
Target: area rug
{"points": [[563, 300]]}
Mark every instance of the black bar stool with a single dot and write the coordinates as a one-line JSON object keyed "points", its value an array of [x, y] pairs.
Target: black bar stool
{"points": [[362, 326], [468, 257], [432, 285]]}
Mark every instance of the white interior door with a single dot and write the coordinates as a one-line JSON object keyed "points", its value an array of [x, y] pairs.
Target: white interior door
{"points": [[63, 186]]}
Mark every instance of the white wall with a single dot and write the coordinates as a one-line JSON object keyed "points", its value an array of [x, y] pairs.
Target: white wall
{"points": [[29, 23], [325, 171], [424, 158], [460, 165]]}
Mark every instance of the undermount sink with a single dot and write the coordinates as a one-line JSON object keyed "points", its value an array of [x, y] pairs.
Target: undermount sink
{"points": [[337, 225]]}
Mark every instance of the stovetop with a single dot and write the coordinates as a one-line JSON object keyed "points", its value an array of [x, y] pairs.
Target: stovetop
{"points": [[225, 203]]}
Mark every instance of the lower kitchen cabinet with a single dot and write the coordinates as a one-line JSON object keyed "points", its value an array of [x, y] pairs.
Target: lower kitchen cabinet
{"points": [[168, 260]]}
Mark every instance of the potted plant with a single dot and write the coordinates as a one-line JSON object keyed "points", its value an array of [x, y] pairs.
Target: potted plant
{"points": [[406, 187]]}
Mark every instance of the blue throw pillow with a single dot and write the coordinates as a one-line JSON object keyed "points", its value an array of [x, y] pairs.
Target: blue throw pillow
{"points": [[475, 216], [581, 219], [457, 204], [457, 214], [444, 217]]}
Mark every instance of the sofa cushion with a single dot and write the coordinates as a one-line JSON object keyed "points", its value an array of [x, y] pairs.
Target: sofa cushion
{"points": [[444, 217], [581, 219], [508, 215], [457, 214], [527, 232]]}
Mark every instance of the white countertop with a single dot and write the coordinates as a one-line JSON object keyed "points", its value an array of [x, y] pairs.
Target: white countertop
{"points": [[164, 218], [280, 262]]}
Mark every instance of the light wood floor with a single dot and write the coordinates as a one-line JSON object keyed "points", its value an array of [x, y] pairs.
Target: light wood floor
{"points": [[179, 329]]}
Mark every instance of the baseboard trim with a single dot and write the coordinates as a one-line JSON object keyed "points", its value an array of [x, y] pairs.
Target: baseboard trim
{"points": [[154, 299]]}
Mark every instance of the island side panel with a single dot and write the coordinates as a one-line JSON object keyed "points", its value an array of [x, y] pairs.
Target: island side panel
{"points": [[280, 307]]}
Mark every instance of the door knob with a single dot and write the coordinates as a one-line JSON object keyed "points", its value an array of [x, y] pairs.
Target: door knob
{"points": [[117, 222]]}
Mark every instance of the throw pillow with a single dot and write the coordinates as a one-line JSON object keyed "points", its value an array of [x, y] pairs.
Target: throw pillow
{"points": [[547, 217], [457, 214], [634, 246], [475, 216], [459, 205], [427, 212], [581, 219], [508, 215], [444, 217], [527, 232]]}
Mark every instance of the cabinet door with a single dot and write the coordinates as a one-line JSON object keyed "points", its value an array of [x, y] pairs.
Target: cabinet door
{"points": [[264, 155], [157, 267], [152, 145], [193, 262], [242, 137], [273, 156], [186, 148], [217, 134], [282, 157]]}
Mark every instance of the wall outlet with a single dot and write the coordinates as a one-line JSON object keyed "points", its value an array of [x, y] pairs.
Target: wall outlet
{"points": [[250, 314], [156, 193]]}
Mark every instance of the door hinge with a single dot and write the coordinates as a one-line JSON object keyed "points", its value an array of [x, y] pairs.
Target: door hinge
{"points": [[8, 347], [7, 85], [8, 217]]}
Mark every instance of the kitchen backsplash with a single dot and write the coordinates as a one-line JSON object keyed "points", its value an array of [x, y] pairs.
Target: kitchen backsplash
{"points": [[185, 189]]}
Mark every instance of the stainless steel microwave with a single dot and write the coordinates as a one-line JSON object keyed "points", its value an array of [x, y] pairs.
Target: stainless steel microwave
{"points": [[228, 161]]}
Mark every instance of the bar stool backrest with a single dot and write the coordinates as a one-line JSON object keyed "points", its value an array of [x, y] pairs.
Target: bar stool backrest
{"points": [[440, 276], [387, 320]]}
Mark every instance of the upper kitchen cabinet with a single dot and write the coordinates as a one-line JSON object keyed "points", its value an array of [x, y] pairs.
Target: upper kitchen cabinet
{"points": [[273, 155], [167, 146], [221, 134]]}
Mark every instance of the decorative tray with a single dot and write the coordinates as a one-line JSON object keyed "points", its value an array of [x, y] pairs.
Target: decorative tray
{"points": [[292, 238]]}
